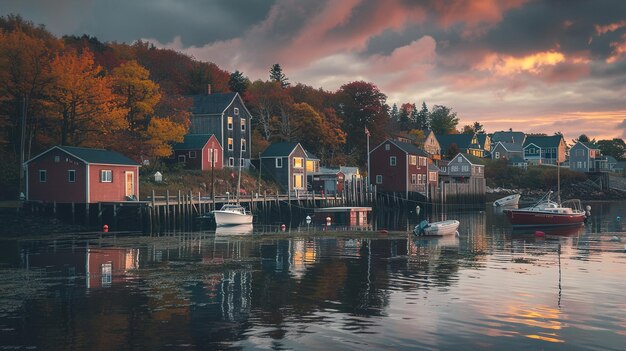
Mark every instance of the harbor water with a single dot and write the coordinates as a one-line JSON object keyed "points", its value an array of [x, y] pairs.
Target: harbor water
{"points": [[314, 287]]}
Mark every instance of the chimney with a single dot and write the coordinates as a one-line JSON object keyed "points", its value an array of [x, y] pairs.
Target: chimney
{"points": [[208, 89]]}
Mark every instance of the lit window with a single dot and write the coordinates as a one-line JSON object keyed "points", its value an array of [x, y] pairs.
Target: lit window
{"points": [[279, 162], [106, 176], [230, 123], [230, 144], [413, 160], [298, 181], [379, 179], [43, 175], [298, 162], [392, 161], [71, 175]]}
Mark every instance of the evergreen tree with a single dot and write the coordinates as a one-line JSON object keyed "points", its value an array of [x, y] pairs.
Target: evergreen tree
{"points": [[277, 75], [423, 117], [394, 113], [413, 118], [238, 83], [443, 120]]}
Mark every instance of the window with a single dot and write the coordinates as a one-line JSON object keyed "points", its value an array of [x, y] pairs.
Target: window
{"points": [[579, 164], [580, 152], [497, 155], [192, 154], [71, 175], [106, 175], [454, 168], [57, 159], [230, 144], [298, 181], [241, 162], [465, 168], [379, 179], [236, 111], [213, 156], [243, 144], [279, 162], [43, 175], [106, 273], [413, 178], [243, 124], [387, 147], [422, 161], [210, 155], [432, 176], [413, 160], [298, 162], [392, 161], [230, 123], [182, 159], [459, 160], [231, 162]]}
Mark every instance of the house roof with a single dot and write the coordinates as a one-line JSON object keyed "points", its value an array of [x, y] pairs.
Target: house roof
{"points": [[207, 104], [482, 139], [508, 137], [310, 156], [89, 155], [282, 149], [193, 142], [611, 159], [462, 141], [511, 147], [471, 158], [590, 145], [410, 148], [544, 141], [620, 165]]}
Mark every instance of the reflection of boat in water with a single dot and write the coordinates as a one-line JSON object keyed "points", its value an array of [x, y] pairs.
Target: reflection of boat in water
{"points": [[511, 200], [436, 228], [448, 241], [240, 229], [541, 231], [232, 215]]}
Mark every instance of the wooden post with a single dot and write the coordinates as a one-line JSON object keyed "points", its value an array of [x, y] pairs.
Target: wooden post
{"points": [[73, 214]]}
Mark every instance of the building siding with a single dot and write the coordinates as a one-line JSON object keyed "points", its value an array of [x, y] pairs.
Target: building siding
{"points": [[57, 188]]}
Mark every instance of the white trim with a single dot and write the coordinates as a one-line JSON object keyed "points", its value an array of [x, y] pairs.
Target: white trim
{"points": [[126, 173], [80, 159]]}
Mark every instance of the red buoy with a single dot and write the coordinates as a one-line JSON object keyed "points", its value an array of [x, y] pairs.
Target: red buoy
{"points": [[383, 231], [540, 233], [105, 228], [282, 227]]}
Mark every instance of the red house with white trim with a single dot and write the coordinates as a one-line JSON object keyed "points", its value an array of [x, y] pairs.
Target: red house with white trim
{"points": [[400, 167], [199, 152], [68, 174]]}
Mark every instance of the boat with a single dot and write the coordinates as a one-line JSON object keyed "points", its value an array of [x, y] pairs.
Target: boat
{"points": [[511, 200], [231, 214], [436, 228], [548, 213]]}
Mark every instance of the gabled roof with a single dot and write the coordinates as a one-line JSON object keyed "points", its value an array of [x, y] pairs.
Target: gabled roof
{"points": [[211, 104], [310, 156], [193, 142], [406, 147], [89, 155], [282, 149], [508, 137], [482, 139], [462, 141], [471, 158], [510, 147], [591, 145], [544, 141]]}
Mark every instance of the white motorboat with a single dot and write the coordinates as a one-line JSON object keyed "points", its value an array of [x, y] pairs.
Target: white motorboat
{"points": [[511, 200], [436, 228], [232, 215]]}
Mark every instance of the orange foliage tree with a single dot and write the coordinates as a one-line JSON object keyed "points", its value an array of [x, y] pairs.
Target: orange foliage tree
{"points": [[84, 110]]}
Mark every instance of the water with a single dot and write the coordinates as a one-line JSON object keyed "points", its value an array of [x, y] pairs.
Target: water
{"points": [[488, 288]]}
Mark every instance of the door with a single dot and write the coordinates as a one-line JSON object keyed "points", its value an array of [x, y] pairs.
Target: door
{"points": [[130, 184]]}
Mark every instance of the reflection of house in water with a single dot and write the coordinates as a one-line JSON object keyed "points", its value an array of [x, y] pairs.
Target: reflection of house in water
{"points": [[100, 266], [304, 252]]}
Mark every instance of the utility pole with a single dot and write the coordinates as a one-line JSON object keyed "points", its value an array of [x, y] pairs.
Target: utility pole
{"points": [[22, 147]]}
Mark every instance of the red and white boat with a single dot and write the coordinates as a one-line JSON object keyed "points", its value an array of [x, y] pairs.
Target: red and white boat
{"points": [[547, 213]]}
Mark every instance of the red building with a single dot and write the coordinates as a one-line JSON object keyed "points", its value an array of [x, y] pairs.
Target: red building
{"points": [[400, 167], [199, 152], [74, 174]]}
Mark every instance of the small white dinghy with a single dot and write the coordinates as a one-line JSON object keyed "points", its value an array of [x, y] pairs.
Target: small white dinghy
{"points": [[511, 200], [436, 228]]}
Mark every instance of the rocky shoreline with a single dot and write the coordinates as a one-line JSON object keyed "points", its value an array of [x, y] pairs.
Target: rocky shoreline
{"points": [[579, 191]]}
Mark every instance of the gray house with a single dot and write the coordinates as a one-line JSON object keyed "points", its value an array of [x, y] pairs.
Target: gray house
{"points": [[541, 149], [464, 167], [586, 157], [285, 163], [508, 151], [226, 116]]}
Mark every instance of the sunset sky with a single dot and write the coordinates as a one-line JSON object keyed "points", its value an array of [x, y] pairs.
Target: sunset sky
{"points": [[531, 65]]}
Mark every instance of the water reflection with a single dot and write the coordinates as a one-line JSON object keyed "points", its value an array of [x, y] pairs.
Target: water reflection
{"points": [[489, 287]]}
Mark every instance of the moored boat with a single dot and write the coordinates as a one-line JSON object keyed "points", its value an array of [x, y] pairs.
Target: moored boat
{"points": [[232, 215], [436, 228], [548, 213], [511, 200]]}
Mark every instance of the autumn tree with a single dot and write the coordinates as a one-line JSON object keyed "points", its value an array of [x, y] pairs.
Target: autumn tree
{"points": [[443, 120], [84, 109], [238, 82], [362, 105], [269, 103], [404, 116], [277, 75]]}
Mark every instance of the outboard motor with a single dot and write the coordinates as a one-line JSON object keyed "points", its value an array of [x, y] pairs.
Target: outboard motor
{"points": [[419, 229]]}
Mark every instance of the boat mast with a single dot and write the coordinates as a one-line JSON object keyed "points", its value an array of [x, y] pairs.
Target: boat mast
{"points": [[239, 178], [558, 181]]}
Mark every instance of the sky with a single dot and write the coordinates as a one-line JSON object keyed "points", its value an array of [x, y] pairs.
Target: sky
{"points": [[538, 66]]}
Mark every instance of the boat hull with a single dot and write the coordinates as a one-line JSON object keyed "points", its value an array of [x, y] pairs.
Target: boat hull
{"points": [[439, 228], [520, 218], [511, 200], [226, 218]]}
